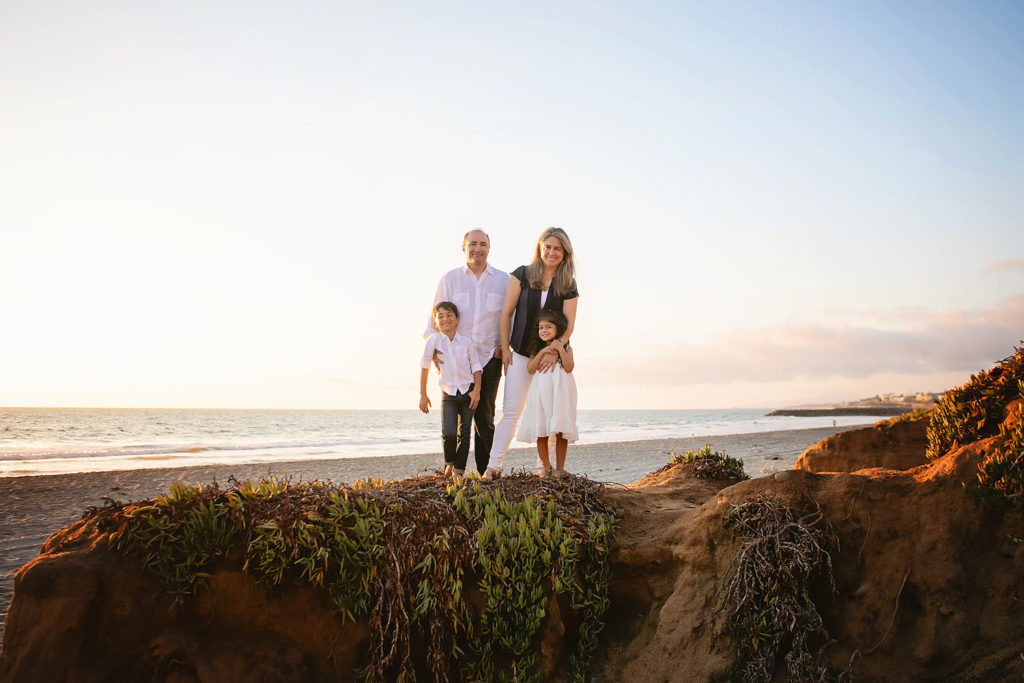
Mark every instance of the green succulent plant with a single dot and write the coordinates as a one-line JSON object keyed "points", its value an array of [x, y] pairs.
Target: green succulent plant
{"points": [[975, 410], [711, 465], [404, 555]]}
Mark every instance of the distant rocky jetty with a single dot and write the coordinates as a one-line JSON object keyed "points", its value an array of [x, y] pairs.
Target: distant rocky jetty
{"points": [[880, 411], [882, 406]]}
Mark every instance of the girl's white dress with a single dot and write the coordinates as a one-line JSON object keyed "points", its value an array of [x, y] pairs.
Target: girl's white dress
{"points": [[550, 406]]}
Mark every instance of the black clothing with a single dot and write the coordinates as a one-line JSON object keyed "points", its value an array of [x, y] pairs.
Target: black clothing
{"points": [[529, 306]]}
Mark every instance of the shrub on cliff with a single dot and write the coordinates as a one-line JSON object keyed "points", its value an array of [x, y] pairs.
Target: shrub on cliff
{"points": [[403, 555], [708, 465], [975, 410], [1000, 484], [918, 415], [784, 552]]}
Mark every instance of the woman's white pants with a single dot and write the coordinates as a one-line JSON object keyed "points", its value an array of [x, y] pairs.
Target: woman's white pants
{"points": [[517, 385]]}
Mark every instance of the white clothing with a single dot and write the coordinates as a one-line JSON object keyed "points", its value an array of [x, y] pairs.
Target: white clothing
{"points": [[458, 361], [479, 300], [550, 407], [517, 384]]}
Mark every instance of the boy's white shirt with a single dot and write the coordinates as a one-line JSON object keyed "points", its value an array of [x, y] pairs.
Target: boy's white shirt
{"points": [[459, 360], [479, 299]]}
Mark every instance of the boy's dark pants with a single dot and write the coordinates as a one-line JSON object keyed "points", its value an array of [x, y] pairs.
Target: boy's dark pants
{"points": [[483, 416], [456, 420]]}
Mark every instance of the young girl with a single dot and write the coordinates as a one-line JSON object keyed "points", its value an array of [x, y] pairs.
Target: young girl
{"points": [[551, 401]]}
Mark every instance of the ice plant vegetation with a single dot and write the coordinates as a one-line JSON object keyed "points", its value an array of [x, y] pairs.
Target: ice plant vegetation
{"points": [[1000, 483], [990, 405], [452, 578], [711, 465], [975, 410]]}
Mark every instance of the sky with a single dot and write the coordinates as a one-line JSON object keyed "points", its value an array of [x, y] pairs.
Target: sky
{"points": [[249, 204]]}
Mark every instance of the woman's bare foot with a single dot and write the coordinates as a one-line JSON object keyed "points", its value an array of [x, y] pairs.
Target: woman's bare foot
{"points": [[491, 474]]}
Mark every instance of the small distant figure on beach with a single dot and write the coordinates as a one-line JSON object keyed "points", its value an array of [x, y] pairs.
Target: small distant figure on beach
{"points": [[460, 372], [548, 283], [833, 423], [551, 401]]}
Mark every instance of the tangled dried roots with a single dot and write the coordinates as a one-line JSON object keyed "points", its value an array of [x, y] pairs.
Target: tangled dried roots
{"points": [[404, 555], [784, 552], [706, 464]]}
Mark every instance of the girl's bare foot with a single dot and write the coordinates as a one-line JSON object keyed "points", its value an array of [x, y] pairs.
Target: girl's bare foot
{"points": [[543, 472], [559, 473]]}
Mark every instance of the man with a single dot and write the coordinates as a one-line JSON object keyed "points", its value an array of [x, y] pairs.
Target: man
{"points": [[478, 289]]}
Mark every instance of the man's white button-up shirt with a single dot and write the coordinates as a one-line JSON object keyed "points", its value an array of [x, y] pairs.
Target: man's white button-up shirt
{"points": [[479, 300], [459, 361]]}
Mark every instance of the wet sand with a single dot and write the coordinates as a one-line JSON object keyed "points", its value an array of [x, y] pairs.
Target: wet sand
{"points": [[32, 508]]}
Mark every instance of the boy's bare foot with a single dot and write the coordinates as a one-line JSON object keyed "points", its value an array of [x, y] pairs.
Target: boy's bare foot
{"points": [[491, 474]]}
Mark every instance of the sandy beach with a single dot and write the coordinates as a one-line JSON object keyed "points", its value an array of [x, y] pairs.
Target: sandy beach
{"points": [[32, 508]]}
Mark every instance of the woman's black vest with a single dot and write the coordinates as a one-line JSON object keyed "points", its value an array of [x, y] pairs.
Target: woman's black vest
{"points": [[529, 306]]}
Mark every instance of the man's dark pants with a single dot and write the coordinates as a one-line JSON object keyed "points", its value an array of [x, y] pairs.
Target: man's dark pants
{"points": [[483, 417]]}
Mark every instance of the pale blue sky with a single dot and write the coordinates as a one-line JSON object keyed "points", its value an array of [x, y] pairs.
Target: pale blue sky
{"points": [[249, 204]]}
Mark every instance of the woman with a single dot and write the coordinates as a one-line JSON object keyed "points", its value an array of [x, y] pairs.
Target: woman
{"points": [[549, 282]]}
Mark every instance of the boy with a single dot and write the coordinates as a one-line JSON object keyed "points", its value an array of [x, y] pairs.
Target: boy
{"points": [[460, 385]]}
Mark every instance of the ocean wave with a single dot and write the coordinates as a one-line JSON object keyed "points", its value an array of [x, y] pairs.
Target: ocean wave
{"points": [[42, 441], [153, 450]]}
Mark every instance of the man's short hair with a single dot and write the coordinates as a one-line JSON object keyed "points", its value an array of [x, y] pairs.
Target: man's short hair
{"points": [[465, 238]]}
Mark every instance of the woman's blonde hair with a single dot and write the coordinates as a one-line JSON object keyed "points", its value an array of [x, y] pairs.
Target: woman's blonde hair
{"points": [[565, 276]]}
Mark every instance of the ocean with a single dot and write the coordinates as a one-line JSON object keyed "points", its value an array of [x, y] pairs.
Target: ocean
{"points": [[68, 440]]}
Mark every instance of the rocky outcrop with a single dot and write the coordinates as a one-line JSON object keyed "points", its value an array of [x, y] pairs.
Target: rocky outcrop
{"points": [[926, 581], [926, 587], [81, 612], [893, 444]]}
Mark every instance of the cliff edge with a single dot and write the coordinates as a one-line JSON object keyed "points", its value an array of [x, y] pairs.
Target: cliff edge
{"points": [[926, 587], [887, 573]]}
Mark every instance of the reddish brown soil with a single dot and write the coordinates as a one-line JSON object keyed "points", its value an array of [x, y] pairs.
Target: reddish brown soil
{"points": [[928, 586], [895, 446]]}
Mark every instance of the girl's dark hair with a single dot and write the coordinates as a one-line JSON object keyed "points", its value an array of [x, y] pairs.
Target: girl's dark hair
{"points": [[535, 344]]}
